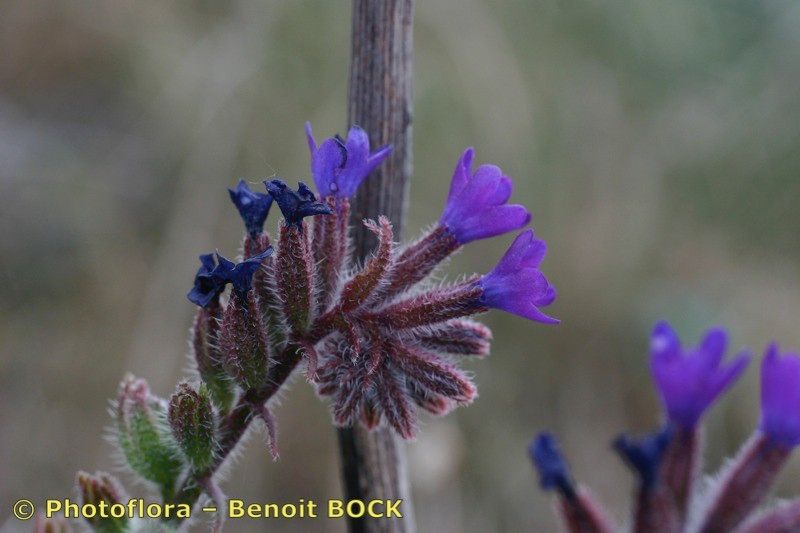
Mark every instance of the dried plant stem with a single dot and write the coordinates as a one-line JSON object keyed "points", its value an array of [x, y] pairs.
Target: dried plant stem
{"points": [[373, 462]]}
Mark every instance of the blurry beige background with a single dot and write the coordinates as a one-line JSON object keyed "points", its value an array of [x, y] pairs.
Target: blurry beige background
{"points": [[657, 144]]}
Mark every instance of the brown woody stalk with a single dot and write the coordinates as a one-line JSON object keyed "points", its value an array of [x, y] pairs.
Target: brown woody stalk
{"points": [[373, 462]]}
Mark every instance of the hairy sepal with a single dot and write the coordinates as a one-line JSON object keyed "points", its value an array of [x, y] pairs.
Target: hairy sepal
{"points": [[431, 307], [208, 357], [457, 337], [294, 277], [244, 342], [369, 280], [331, 247], [417, 260]]}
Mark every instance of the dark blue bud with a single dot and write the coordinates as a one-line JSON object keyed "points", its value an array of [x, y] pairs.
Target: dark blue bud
{"points": [[207, 286], [213, 275], [553, 470], [296, 205], [253, 207], [644, 455]]}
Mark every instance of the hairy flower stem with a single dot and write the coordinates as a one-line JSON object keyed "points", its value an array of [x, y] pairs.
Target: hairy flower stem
{"points": [[330, 250], [235, 423], [580, 513], [681, 465], [745, 484], [784, 517], [655, 511]]}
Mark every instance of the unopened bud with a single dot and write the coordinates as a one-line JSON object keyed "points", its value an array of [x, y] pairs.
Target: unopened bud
{"points": [[294, 276], [54, 524], [98, 489], [143, 436], [244, 342], [207, 355], [192, 422]]}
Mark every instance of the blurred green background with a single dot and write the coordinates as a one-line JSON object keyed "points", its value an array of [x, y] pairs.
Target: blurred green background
{"points": [[657, 144]]}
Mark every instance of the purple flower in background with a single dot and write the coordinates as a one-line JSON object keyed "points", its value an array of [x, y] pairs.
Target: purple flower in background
{"points": [[516, 284], [644, 455], [339, 166], [476, 206], [553, 471], [253, 207], [296, 205], [213, 275], [780, 396], [690, 380]]}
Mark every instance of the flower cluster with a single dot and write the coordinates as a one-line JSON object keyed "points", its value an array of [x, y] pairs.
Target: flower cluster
{"points": [[668, 461], [375, 339]]}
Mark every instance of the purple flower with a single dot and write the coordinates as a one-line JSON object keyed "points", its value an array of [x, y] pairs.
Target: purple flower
{"points": [[339, 166], [690, 380], [253, 207], [295, 206], [516, 284], [644, 455], [476, 205], [780, 396], [213, 275], [553, 471]]}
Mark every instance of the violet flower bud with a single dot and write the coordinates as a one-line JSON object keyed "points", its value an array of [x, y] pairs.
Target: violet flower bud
{"points": [[516, 284], [339, 166], [477, 206], [296, 205], [191, 419], [690, 380], [253, 207], [780, 397], [102, 490]]}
